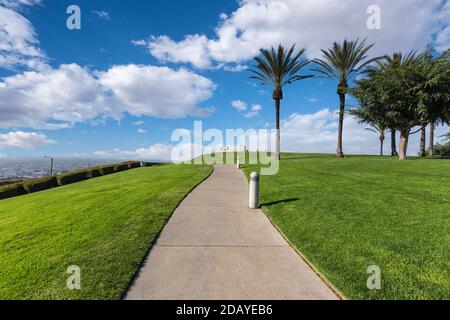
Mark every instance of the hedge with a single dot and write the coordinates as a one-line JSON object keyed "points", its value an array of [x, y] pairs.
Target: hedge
{"points": [[108, 169], [12, 190], [150, 164], [40, 184], [73, 176], [134, 164], [96, 172]]}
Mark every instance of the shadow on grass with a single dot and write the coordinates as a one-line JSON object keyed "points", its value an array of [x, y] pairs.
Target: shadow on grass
{"points": [[272, 203]]}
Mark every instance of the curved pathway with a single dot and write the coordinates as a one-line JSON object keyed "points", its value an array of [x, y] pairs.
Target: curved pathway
{"points": [[214, 247]]}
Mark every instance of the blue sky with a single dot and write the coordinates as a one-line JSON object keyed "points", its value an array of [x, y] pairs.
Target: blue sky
{"points": [[92, 82]]}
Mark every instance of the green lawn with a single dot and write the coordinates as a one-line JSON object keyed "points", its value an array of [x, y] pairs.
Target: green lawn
{"points": [[347, 214], [104, 225]]}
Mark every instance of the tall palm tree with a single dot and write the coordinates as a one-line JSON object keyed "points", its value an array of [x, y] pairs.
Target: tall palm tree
{"points": [[279, 67], [343, 61]]}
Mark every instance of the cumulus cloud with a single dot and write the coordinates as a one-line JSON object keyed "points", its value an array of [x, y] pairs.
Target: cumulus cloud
{"points": [[26, 140], [194, 48], [239, 105], [67, 94], [254, 111], [157, 91], [57, 98], [242, 106], [313, 24], [19, 45], [317, 132]]}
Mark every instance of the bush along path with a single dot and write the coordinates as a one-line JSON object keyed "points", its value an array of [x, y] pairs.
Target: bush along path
{"points": [[214, 247], [40, 184]]}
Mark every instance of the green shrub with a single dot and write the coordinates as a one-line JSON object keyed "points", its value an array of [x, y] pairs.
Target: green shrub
{"points": [[150, 164], [96, 172], [12, 190], [41, 184], [108, 169], [129, 165], [73, 176], [442, 151], [123, 166], [134, 164]]}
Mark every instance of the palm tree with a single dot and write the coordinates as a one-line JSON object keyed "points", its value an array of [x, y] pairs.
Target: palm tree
{"points": [[380, 129], [278, 68], [370, 113], [343, 61]]}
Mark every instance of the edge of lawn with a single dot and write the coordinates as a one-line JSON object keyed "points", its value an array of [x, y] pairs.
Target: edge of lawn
{"points": [[325, 280], [150, 247]]}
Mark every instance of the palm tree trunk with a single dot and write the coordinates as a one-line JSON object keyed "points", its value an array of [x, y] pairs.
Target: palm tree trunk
{"points": [[422, 142], [394, 152], [339, 150], [431, 150], [381, 145], [277, 142], [404, 133]]}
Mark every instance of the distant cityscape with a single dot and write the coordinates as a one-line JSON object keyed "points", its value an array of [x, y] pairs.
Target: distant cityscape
{"points": [[30, 168]]}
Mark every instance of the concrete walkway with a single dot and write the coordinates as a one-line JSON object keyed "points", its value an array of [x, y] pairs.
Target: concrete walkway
{"points": [[213, 247]]}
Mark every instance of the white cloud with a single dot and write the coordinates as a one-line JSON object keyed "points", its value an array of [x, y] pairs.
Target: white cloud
{"points": [[193, 48], [156, 152], [140, 130], [18, 41], [15, 4], [27, 140], [162, 152], [254, 111], [317, 132], [101, 14], [57, 98], [242, 106], [139, 42], [67, 94], [239, 105], [313, 24], [138, 123], [157, 91]]}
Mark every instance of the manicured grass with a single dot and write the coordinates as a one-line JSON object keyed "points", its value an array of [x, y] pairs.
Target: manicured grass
{"points": [[347, 214], [104, 225]]}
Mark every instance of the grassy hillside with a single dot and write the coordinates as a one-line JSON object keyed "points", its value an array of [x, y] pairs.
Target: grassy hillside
{"points": [[347, 214], [104, 225]]}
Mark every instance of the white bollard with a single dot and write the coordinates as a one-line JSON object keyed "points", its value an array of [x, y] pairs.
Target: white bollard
{"points": [[238, 163], [253, 198]]}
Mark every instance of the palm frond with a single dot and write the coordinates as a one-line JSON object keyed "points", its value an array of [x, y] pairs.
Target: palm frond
{"points": [[344, 60], [280, 66]]}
